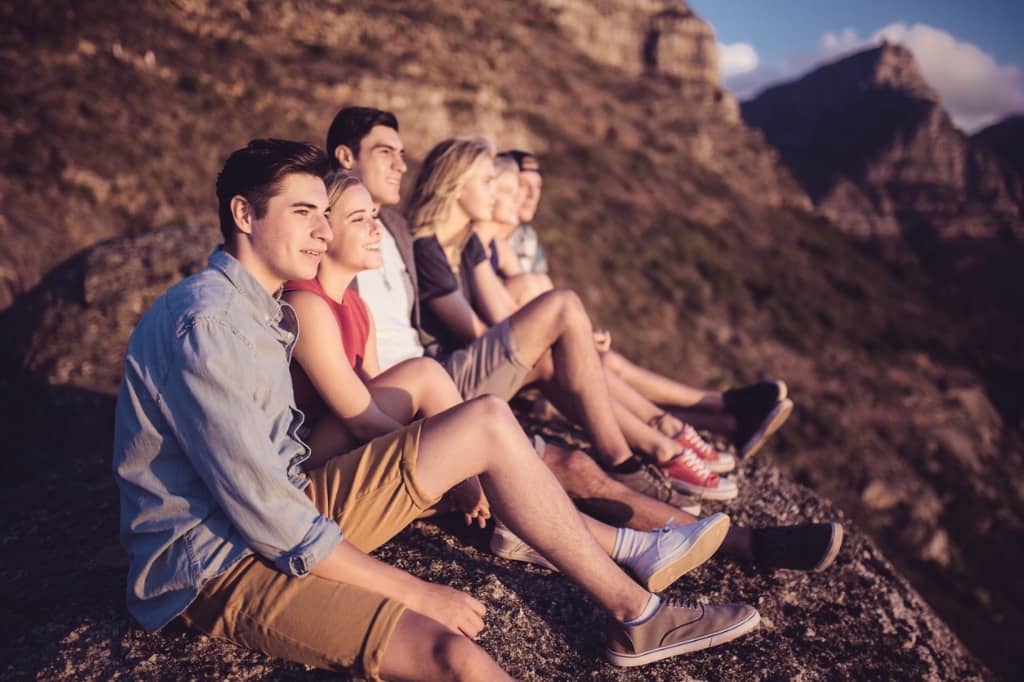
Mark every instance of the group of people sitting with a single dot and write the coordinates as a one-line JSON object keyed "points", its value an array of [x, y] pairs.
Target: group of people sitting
{"points": [[258, 465]]}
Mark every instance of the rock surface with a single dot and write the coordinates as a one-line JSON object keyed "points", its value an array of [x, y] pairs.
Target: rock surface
{"points": [[700, 251], [859, 618]]}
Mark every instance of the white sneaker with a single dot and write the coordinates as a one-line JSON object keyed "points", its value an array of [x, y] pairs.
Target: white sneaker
{"points": [[508, 545], [679, 549]]}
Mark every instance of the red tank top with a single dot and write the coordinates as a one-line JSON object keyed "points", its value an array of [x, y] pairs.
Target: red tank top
{"points": [[351, 314]]}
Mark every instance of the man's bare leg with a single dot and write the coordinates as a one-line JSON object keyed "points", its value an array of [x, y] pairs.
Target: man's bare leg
{"points": [[557, 321], [660, 389], [706, 421], [422, 649], [510, 471]]}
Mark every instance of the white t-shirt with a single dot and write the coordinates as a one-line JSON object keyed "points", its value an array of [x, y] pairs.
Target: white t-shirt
{"points": [[388, 294]]}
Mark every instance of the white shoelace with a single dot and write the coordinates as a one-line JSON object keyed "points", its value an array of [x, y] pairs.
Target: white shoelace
{"points": [[702, 445], [693, 460]]}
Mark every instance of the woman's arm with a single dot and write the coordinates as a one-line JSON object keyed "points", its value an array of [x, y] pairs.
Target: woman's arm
{"points": [[371, 362], [491, 297], [454, 311], [321, 353], [508, 261]]}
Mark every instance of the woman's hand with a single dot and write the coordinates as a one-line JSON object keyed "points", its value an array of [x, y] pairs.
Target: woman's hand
{"points": [[468, 498], [602, 340]]}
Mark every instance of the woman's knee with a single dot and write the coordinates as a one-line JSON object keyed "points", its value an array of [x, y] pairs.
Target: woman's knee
{"points": [[568, 307]]}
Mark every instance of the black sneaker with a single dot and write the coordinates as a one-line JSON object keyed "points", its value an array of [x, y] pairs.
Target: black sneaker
{"points": [[757, 397], [805, 547], [754, 428]]}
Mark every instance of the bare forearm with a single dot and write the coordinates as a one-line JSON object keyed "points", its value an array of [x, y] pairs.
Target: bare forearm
{"points": [[372, 423], [347, 564]]}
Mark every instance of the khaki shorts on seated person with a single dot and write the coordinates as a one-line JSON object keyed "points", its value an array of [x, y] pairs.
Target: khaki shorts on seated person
{"points": [[373, 494], [488, 365]]}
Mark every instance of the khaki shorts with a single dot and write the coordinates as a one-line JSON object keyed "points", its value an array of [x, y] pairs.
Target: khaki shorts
{"points": [[373, 494], [488, 365]]}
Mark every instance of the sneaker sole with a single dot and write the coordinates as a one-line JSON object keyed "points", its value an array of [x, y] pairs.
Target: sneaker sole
{"points": [[693, 509], [833, 549], [775, 419], [697, 644], [725, 468], [703, 548], [704, 493]]}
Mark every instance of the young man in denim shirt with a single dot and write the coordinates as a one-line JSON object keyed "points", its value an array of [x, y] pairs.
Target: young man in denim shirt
{"points": [[225, 529]]}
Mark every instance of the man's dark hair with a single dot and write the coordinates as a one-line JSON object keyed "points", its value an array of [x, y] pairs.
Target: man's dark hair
{"points": [[351, 125], [519, 156], [256, 172]]}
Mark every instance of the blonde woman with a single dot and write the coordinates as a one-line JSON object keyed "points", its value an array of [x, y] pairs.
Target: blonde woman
{"points": [[550, 339]]}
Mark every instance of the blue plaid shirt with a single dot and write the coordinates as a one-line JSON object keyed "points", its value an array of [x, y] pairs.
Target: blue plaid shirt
{"points": [[206, 455]]}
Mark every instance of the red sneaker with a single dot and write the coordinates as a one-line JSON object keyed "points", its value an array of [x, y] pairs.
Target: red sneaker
{"points": [[688, 474], [718, 462]]}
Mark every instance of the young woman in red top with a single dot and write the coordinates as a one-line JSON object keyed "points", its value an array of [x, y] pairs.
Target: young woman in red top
{"points": [[338, 384]]}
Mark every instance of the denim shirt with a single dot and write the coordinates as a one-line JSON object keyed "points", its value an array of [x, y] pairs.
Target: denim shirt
{"points": [[206, 455]]}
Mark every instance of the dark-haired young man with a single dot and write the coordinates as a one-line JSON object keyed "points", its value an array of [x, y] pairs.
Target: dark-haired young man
{"points": [[367, 141], [225, 530]]}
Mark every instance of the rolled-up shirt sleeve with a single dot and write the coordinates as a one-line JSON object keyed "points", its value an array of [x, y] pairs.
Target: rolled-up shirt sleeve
{"points": [[210, 404]]}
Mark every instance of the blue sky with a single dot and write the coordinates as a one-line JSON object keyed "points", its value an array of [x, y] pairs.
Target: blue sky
{"points": [[972, 53]]}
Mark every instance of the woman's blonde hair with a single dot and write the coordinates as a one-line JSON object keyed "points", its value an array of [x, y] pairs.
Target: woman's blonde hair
{"points": [[337, 182], [441, 179]]}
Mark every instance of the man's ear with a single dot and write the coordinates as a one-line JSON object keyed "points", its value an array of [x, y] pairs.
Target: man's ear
{"points": [[345, 156], [241, 211]]}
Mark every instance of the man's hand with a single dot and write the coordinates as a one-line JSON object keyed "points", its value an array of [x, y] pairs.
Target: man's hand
{"points": [[468, 497], [452, 608], [602, 340]]}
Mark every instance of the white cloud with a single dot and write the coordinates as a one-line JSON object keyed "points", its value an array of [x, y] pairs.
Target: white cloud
{"points": [[975, 89], [736, 59]]}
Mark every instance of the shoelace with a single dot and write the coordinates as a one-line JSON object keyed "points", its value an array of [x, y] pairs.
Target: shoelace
{"points": [[702, 446], [664, 532], [684, 603], [695, 463], [657, 476]]}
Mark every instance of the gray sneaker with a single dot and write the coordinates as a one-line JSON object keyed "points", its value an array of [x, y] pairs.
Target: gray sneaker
{"points": [[652, 481], [677, 628]]}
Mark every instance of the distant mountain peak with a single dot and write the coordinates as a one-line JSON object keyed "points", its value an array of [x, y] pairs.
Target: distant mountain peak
{"points": [[894, 66]]}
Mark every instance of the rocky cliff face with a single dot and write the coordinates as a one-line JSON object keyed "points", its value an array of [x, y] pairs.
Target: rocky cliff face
{"points": [[1005, 141], [702, 255]]}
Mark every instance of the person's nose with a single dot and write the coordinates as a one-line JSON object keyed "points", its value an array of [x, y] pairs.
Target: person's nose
{"points": [[323, 229], [399, 164]]}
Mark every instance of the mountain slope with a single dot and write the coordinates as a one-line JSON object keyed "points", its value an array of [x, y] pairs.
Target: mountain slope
{"points": [[675, 222]]}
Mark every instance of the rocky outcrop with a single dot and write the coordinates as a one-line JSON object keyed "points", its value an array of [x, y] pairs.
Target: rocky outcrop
{"points": [[1005, 141], [654, 37], [65, 588], [871, 143]]}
